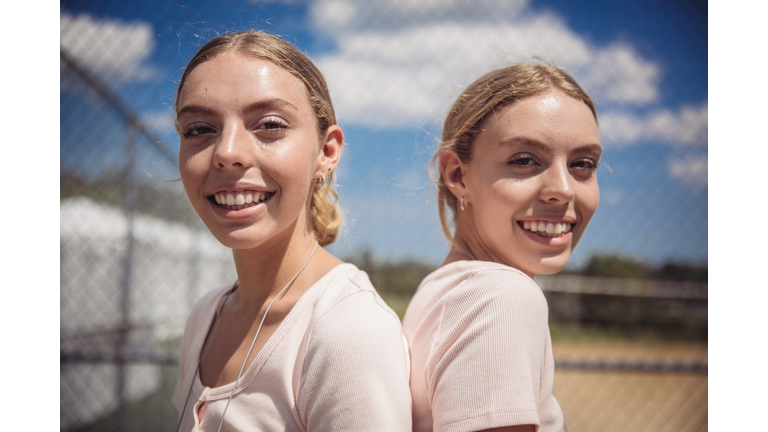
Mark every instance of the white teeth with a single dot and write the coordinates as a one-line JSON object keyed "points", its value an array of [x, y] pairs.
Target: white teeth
{"points": [[239, 200], [547, 229]]}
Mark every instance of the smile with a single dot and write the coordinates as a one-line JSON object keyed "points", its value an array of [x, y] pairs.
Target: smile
{"points": [[547, 229], [239, 200]]}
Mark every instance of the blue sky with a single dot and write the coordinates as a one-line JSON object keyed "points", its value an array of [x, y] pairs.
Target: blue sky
{"points": [[395, 66]]}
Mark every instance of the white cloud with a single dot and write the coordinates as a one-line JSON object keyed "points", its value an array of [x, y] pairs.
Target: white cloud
{"points": [[686, 127], [692, 171], [116, 50], [366, 15], [618, 74], [403, 66], [334, 13]]}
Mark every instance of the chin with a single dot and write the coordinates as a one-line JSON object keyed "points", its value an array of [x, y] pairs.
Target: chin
{"points": [[550, 265], [238, 239]]}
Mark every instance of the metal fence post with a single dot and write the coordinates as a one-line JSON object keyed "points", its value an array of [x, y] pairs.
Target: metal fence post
{"points": [[125, 306]]}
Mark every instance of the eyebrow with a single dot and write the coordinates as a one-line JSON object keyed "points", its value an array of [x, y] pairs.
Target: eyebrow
{"points": [[541, 146], [267, 104], [263, 105], [195, 109]]}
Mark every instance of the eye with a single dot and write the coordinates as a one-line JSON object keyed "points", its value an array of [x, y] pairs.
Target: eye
{"points": [[197, 129], [272, 125], [587, 164], [523, 160]]}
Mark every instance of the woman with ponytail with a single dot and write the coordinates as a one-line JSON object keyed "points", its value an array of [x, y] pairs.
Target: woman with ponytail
{"points": [[302, 341], [517, 178]]}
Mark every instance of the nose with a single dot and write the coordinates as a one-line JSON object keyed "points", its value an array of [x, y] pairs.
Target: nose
{"points": [[557, 184], [232, 150]]}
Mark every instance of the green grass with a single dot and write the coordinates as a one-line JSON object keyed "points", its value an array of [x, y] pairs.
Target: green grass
{"points": [[398, 303]]}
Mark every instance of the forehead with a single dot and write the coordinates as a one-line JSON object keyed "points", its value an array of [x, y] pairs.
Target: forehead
{"points": [[550, 117], [235, 79]]}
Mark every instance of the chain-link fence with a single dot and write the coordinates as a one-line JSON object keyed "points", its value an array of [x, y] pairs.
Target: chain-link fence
{"points": [[628, 316]]}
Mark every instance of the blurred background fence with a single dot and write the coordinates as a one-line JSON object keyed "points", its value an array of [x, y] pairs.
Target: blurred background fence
{"points": [[628, 315]]}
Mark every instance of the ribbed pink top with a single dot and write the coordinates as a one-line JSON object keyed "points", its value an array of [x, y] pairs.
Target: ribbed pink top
{"points": [[337, 362], [481, 354]]}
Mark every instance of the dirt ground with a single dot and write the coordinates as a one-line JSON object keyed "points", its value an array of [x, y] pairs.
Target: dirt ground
{"points": [[632, 401]]}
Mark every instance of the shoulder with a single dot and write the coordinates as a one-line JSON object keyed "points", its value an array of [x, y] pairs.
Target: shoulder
{"points": [[480, 284], [356, 360], [351, 304], [500, 283], [480, 349], [474, 303]]}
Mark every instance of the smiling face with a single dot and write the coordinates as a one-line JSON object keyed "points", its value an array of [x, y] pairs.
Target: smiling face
{"points": [[248, 150], [530, 188]]}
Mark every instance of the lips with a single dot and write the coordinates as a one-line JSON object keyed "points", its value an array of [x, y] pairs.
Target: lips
{"points": [[547, 229], [239, 200]]}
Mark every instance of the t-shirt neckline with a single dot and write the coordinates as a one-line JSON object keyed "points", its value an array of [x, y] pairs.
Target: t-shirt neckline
{"points": [[205, 393]]}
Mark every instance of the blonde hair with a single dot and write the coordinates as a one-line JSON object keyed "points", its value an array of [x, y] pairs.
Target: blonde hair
{"points": [[490, 93], [325, 215]]}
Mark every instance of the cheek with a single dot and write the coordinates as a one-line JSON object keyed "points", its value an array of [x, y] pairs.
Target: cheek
{"points": [[497, 205], [192, 168], [290, 166], [590, 200], [299, 161], [292, 171], [507, 195]]}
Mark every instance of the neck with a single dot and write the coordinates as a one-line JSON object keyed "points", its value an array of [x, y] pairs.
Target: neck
{"points": [[265, 270], [467, 243]]}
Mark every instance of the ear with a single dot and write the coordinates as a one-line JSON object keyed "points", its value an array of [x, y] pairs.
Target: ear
{"points": [[454, 174], [330, 154]]}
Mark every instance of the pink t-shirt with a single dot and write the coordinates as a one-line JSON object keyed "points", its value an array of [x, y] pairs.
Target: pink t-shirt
{"points": [[481, 354], [337, 362]]}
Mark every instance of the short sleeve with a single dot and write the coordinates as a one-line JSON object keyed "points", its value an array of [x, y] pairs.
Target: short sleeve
{"points": [[485, 368], [356, 373]]}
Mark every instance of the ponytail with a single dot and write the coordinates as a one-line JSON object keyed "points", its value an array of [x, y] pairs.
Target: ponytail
{"points": [[324, 212]]}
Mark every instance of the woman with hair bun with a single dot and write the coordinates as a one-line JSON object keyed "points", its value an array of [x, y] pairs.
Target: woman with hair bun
{"points": [[302, 341], [517, 166]]}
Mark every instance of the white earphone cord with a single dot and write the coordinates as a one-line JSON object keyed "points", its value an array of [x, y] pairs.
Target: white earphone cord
{"points": [[257, 335], [258, 330]]}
